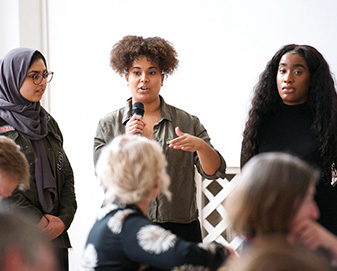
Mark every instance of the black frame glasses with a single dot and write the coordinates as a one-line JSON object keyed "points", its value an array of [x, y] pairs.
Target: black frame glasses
{"points": [[37, 78]]}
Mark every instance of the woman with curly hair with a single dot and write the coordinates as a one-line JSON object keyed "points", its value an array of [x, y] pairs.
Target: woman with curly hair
{"points": [[145, 62], [294, 110]]}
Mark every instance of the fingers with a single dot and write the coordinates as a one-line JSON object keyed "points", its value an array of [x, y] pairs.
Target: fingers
{"points": [[309, 233], [179, 142], [43, 223], [178, 131], [55, 227], [184, 141], [135, 125]]}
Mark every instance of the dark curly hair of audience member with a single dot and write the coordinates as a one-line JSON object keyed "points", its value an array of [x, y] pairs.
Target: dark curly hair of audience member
{"points": [[322, 101], [156, 49]]}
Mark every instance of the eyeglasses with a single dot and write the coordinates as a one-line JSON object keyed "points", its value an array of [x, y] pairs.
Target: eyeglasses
{"points": [[37, 78]]}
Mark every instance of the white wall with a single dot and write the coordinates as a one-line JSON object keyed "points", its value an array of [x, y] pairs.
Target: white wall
{"points": [[223, 46], [9, 25]]}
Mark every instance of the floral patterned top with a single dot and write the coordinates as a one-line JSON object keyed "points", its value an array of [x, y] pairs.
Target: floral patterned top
{"points": [[123, 238]]}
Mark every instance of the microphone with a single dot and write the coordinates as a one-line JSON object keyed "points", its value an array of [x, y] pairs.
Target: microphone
{"points": [[138, 109]]}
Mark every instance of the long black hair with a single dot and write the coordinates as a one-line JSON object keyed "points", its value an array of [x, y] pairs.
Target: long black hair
{"points": [[322, 102]]}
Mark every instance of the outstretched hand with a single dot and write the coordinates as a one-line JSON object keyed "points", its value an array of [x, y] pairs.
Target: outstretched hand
{"points": [[209, 158], [186, 142]]}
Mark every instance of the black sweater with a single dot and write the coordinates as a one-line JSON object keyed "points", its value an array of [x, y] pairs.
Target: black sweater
{"points": [[290, 131]]}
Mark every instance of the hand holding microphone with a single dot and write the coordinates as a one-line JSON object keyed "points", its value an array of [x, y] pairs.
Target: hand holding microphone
{"points": [[136, 125]]}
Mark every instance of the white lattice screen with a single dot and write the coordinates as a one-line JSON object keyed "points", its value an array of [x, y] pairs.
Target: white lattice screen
{"points": [[212, 214]]}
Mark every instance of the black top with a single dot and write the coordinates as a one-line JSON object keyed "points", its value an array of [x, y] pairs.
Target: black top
{"points": [[290, 131], [123, 238]]}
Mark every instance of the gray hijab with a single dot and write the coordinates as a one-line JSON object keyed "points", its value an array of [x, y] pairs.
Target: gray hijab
{"points": [[29, 118]]}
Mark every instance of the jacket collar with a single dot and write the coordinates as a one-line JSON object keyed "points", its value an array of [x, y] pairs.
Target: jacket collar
{"points": [[165, 112]]}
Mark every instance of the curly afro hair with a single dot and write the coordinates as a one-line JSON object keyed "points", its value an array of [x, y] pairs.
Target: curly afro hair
{"points": [[130, 48]]}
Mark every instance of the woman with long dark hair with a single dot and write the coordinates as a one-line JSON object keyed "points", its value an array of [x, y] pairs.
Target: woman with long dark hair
{"points": [[294, 110]]}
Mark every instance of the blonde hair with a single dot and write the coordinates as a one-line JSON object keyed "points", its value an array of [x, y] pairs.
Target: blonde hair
{"points": [[271, 187], [129, 167], [13, 162]]}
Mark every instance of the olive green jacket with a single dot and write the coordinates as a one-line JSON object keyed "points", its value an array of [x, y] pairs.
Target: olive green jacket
{"points": [[64, 202], [181, 164]]}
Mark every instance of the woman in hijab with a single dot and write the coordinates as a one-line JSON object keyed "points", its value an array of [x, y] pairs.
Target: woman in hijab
{"points": [[51, 198]]}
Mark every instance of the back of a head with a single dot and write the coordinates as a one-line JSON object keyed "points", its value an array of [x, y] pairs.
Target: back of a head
{"points": [[13, 162], [22, 241], [128, 168], [278, 255], [269, 191]]}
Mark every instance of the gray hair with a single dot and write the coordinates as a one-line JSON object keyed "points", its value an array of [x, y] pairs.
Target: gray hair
{"points": [[128, 168]]}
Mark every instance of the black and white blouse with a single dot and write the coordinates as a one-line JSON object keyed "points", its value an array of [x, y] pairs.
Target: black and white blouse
{"points": [[123, 238]]}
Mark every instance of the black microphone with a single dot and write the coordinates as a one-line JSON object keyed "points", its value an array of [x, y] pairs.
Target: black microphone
{"points": [[138, 109]]}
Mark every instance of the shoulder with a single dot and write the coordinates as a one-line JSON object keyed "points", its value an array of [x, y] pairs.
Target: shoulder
{"points": [[53, 126], [9, 131], [113, 117], [116, 217], [51, 121], [5, 127]]}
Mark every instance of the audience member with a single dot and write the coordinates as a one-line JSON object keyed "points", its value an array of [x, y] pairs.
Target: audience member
{"points": [[278, 255], [275, 196], [132, 171], [23, 247], [14, 168]]}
